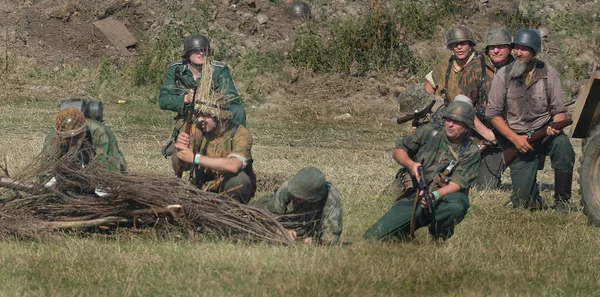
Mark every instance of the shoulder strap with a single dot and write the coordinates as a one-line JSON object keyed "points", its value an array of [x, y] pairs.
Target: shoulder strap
{"points": [[236, 125], [508, 69], [444, 91]]}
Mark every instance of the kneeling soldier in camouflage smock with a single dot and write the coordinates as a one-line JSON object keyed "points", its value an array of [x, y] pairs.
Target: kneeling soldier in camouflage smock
{"points": [[93, 139], [218, 152], [309, 207], [450, 162]]}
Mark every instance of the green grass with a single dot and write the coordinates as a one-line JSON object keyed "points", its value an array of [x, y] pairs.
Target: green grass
{"points": [[495, 252]]}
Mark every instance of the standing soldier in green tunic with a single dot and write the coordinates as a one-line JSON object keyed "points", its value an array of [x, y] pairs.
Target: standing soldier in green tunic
{"points": [[450, 162], [184, 75], [218, 151], [308, 206], [475, 83]]}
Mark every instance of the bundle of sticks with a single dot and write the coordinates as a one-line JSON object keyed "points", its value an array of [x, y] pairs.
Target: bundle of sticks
{"points": [[91, 196]]}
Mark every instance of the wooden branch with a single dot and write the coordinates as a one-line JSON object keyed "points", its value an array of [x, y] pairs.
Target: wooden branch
{"points": [[82, 224], [172, 210]]}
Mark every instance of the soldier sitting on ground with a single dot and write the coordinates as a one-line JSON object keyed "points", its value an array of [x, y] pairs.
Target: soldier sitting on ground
{"points": [[450, 162], [218, 152], [309, 207]]}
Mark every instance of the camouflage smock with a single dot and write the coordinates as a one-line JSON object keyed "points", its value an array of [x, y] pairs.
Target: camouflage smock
{"points": [[104, 146], [434, 155], [322, 219], [437, 77], [471, 86], [173, 90], [239, 146]]}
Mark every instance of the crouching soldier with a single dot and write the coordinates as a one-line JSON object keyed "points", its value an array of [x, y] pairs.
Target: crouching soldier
{"points": [[450, 162], [92, 139], [218, 152], [308, 206]]}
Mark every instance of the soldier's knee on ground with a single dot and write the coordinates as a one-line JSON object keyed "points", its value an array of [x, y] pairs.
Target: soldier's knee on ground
{"points": [[239, 187]]}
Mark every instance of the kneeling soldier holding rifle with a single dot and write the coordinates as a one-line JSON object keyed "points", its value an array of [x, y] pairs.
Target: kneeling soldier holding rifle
{"points": [[447, 163]]}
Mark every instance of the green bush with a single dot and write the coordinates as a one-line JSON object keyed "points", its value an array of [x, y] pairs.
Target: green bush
{"points": [[372, 42]]}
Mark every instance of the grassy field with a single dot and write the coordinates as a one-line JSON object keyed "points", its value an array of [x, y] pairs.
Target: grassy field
{"points": [[495, 252]]}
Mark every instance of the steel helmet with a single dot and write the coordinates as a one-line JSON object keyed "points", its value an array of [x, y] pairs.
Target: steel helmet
{"points": [[529, 38], [459, 34], [70, 122], [195, 42], [461, 109]]}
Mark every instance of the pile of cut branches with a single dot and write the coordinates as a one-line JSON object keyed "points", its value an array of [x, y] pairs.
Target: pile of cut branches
{"points": [[91, 196]]}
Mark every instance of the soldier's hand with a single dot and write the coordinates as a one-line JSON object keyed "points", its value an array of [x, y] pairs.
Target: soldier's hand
{"points": [[183, 139], [489, 136], [552, 131], [292, 234], [414, 169], [189, 97], [412, 130], [522, 144]]}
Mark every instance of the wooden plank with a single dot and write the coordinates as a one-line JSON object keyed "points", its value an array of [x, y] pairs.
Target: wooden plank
{"points": [[116, 32]]}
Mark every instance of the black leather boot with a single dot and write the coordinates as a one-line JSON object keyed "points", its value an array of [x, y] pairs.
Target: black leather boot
{"points": [[563, 180]]}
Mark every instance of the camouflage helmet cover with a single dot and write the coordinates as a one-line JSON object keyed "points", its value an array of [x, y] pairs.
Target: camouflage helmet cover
{"points": [[498, 36], [308, 184], [461, 109], [459, 34], [70, 122], [530, 38], [195, 42]]}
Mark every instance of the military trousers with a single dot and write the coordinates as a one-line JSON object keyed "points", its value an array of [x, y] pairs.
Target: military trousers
{"points": [[490, 168], [395, 224], [523, 170], [238, 186]]}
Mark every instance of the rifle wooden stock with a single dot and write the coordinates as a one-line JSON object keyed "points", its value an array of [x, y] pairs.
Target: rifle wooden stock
{"points": [[417, 115], [511, 153]]}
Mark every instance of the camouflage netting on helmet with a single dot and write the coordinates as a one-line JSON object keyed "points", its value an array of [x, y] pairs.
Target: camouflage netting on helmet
{"points": [[414, 97], [69, 122], [132, 201]]}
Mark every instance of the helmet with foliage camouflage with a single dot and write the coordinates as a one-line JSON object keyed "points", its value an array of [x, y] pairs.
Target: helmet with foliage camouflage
{"points": [[459, 34], [215, 106], [461, 109], [195, 42], [70, 122], [529, 38], [308, 184], [498, 36], [300, 9]]}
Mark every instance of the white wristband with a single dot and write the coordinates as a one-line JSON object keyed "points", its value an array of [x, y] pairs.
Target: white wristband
{"points": [[197, 159]]}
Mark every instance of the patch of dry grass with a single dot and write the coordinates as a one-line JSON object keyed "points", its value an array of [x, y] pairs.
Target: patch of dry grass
{"points": [[495, 252]]}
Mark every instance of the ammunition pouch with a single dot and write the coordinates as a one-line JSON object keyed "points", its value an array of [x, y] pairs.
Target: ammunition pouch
{"points": [[404, 183]]}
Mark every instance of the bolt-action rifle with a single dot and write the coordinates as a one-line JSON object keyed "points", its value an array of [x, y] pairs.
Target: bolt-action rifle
{"points": [[511, 153], [483, 144], [423, 186], [188, 112], [417, 115]]}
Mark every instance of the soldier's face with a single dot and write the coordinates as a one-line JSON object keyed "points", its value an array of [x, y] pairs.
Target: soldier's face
{"points": [[197, 57], [207, 123], [454, 129], [499, 53], [523, 54], [461, 50], [70, 141]]}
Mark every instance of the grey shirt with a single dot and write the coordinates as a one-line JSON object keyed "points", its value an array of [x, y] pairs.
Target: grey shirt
{"points": [[527, 104]]}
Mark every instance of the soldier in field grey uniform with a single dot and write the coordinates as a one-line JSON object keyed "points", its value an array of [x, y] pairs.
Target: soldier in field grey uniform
{"points": [[450, 162], [526, 95], [308, 206]]}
